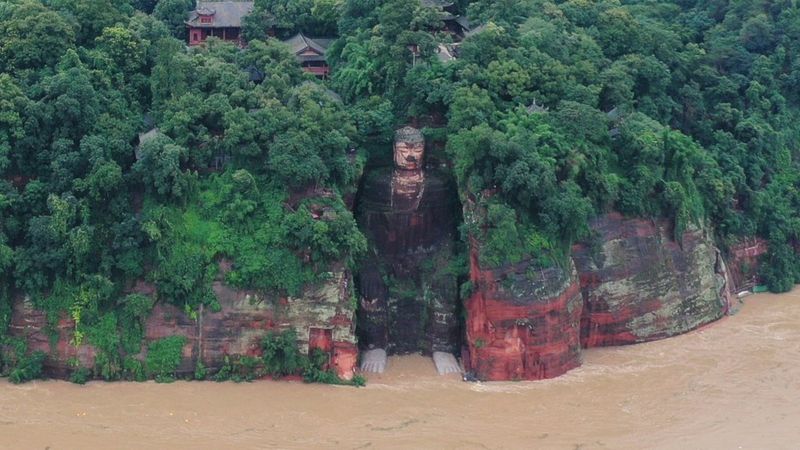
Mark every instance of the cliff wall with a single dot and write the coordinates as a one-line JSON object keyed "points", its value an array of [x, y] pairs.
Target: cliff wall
{"points": [[31, 325], [639, 284], [631, 283], [744, 257], [522, 323], [323, 317]]}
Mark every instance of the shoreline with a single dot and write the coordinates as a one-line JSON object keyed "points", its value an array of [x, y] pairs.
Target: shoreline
{"points": [[720, 387]]}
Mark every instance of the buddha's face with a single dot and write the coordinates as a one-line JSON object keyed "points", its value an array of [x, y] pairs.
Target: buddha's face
{"points": [[408, 155]]}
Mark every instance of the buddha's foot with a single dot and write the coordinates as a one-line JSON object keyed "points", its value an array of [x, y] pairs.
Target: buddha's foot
{"points": [[373, 360], [446, 363]]}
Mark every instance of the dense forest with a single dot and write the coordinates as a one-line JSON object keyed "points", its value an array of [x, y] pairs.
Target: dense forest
{"points": [[126, 155]]}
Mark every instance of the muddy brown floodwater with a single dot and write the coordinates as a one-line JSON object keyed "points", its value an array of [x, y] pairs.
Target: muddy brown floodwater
{"points": [[733, 385]]}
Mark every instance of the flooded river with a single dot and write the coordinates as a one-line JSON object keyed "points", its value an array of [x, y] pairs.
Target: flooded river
{"points": [[733, 385]]}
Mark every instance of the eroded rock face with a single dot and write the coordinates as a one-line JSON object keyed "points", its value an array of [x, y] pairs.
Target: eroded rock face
{"points": [[632, 283], [744, 257], [522, 323], [30, 324], [638, 284], [323, 317]]}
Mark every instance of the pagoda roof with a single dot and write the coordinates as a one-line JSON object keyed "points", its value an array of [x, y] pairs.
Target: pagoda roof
{"points": [[226, 14], [300, 43], [436, 3]]}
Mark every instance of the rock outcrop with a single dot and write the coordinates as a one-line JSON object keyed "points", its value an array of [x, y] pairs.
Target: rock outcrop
{"points": [[639, 284], [31, 324], [522, 323], [744, 257], [632, 283], [323, 317]]}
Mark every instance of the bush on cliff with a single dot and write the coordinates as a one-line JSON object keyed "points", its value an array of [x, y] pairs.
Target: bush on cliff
{"points": [[16, 363], [163, 358], [28, 368], [280, 353], [281, 357]]}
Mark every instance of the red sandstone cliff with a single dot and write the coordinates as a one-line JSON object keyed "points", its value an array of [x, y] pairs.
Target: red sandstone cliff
{"points": [[634, 283], [744, 258], [31, 325], [323, 317], [522, 324], [638, 284]]}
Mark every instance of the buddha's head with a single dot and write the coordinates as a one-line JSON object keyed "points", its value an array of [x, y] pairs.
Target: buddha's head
{"points": [[409, 148]]}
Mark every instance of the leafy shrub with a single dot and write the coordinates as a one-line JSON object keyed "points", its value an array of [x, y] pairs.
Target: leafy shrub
{"points": [[200, 371], [80, 375], [27, 368], [281, 357], [134, 369], [163, 358], [240, 368], [280, 353], [134, 311], [105, 337], [16, 363]]}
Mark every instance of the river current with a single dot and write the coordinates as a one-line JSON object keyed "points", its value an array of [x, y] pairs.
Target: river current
{"points": [[735, 384]]}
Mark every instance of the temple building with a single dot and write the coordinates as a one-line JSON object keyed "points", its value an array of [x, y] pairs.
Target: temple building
{"points": [[454, 24], [310, 53], [222, 20]]}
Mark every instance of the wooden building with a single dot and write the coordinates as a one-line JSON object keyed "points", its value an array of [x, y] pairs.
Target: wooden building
{"points": [[453, 23], [218, 19], [310, 53]]}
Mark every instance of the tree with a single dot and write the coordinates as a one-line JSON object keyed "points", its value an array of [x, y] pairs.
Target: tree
{"points": [[145, 6], [293, 160], [72, 103], [13, 104], [174, 13], [169, 78], [92, 16], [278, 65], [34, 37], [316, 17], [159, 166]]}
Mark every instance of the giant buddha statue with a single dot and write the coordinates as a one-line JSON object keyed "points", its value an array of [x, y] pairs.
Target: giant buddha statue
{"points": [[408, 300]]}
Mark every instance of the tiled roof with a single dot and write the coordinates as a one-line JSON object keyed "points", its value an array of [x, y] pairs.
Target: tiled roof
{"points": [[436, 3], [464, 22], [300, 42], [226, 14]]}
